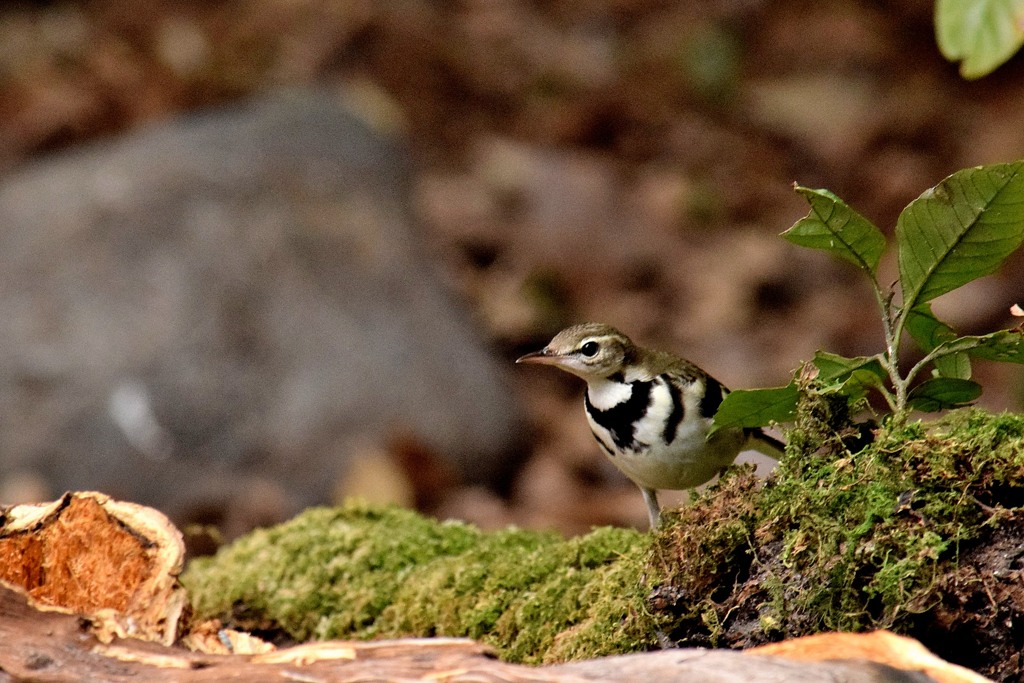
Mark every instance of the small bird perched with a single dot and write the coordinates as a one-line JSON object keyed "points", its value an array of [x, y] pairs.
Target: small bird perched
{"points": [[650, 411]]}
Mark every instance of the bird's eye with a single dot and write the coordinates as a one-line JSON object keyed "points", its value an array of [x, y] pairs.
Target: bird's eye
{"points": [[589, 349]]}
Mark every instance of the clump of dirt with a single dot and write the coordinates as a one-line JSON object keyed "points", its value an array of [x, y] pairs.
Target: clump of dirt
{"points": [[977, 621], [704, 550]]}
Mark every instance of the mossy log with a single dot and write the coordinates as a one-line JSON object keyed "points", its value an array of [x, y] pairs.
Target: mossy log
{"points": [[897, 534], [367, 572]]}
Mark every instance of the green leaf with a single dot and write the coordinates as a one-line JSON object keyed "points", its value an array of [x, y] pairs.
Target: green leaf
{"points": [[940, 393], [980, 34], [850, 376], [1005, 345], [832, 367], [836, 228], [756, 407], [929, 332], [959, 230]]}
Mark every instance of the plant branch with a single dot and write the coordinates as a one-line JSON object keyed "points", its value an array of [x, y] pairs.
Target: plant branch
{"points": [[885, 304], [946, 348], [890, 359]]}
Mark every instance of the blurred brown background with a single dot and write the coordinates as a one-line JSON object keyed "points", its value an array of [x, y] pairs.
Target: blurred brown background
{"points": [[623, 161]]}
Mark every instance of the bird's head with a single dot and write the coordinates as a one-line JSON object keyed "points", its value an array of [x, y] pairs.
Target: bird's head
{"points": [[590, 351]]}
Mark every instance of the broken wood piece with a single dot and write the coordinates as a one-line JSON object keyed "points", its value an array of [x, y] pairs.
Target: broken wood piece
{"points": [[113, 562]]}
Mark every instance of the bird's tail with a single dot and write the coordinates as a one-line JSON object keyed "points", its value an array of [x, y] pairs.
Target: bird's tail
{"points": [[765, 444]]}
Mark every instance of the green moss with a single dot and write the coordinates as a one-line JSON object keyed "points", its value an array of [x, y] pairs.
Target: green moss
{"points": [[325, 572], [834, 540], [363, 572], [839, 540], [871, 533]]}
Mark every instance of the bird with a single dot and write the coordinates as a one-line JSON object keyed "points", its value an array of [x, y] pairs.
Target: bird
{"points": [[650, 411]]}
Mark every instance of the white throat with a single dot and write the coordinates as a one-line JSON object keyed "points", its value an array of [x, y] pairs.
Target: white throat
{"points": [[605, 394]]}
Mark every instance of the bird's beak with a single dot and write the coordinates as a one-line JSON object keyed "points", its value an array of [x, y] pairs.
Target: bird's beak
{"points": [[544, 357]]}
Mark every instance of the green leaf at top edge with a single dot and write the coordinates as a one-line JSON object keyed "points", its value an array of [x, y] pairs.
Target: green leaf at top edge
{"points": [[928, 331], [961, 229], [941, 393], [980, 34], [834, 227], [756, 407]]}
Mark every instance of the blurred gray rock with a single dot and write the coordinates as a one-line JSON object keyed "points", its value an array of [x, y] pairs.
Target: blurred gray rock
{"points": [[230, 299]]}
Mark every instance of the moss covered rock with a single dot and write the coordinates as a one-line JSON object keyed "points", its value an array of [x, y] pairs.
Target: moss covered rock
{"points": [[363, 572]]}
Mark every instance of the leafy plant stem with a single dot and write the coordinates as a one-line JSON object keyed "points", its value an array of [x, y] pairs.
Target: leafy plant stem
{"points": [[890, 359], [886, 394], [960, 230]]}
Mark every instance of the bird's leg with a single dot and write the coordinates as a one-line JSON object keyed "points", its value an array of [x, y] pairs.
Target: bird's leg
{"points": [[653, 509]]}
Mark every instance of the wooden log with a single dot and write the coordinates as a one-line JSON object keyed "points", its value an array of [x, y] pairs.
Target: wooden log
{"points": [[52, 647]]}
